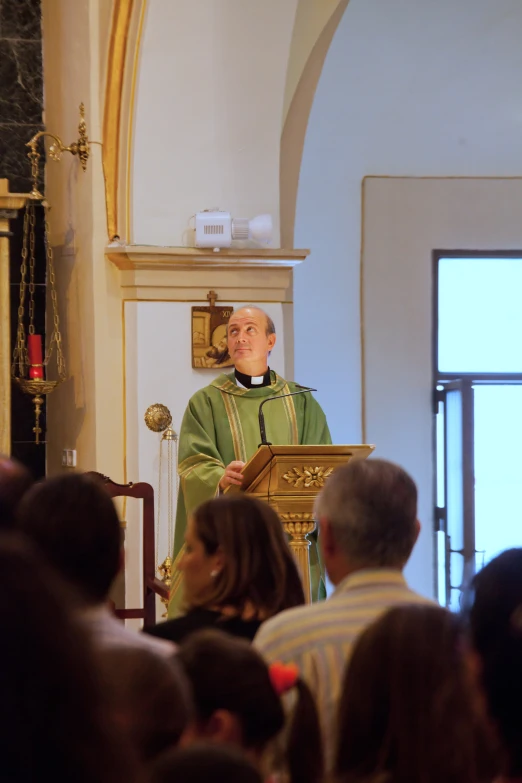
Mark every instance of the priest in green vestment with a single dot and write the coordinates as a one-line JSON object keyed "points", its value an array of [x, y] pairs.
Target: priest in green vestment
{"points": [[220, 428]]}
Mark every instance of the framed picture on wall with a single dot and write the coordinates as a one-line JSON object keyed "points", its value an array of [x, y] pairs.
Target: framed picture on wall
{"points": [[209, 337]]}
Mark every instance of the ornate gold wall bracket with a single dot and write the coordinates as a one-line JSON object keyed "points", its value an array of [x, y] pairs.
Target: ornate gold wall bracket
{"points": [[80, 147]]}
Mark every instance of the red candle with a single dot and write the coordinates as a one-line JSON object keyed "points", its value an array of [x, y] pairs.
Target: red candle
{"points": [[34, 349]]}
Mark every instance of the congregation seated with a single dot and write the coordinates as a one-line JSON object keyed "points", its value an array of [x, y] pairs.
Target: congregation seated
{"points": [[53, 718], [74, 523], [496, 634], [238, 569], [391, 677], [237, 700], [410, 706]]}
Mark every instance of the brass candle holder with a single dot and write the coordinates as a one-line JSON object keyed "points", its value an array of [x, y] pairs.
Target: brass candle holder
{"points": [[20, 369], [39, 387], [158, 419]]}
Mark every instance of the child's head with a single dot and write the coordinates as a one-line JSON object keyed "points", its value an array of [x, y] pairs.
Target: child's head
{"points": [[148, 698], [237, 701], [204, 764]]}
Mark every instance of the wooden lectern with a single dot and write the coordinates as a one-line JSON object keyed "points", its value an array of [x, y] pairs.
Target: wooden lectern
{"points": [[289, 478]]}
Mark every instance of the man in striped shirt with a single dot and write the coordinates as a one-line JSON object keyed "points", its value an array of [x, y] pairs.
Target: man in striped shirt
{"points": [[367, 515]]}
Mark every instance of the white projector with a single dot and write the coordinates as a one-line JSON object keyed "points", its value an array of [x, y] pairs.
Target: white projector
{"points": [[218, 229]]}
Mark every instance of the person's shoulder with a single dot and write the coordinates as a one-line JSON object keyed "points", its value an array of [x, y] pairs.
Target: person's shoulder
{"points": [[294, 386], [223, 379], [211, 389], [203, 392], [162, 647], [108, 631], [302, 387], [419, 598], [168, 630], [237, 626], [177, 629], [289, 623]]}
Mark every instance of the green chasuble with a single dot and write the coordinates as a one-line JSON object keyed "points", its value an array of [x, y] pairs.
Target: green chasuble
{"points": [[221, 425]]}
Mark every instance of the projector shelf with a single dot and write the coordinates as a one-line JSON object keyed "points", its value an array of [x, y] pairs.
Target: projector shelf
{"points": [[153, 257]]}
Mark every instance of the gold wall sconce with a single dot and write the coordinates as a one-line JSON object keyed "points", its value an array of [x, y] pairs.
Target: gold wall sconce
{"points": [[80, 147]]}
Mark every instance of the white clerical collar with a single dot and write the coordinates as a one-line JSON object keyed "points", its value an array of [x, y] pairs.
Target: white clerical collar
{"points": [[255, 380], [250, 381]]}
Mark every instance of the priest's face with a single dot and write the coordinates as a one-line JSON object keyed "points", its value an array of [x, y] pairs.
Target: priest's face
{"points": [[248, 341], [199, 568]]}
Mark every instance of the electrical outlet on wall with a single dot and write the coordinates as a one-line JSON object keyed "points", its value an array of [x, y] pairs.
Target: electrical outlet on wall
{"points": [[69, 458]]}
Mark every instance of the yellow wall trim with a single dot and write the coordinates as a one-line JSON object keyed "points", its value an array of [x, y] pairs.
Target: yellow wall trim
{"points": [[121, 19], [130, 121]]}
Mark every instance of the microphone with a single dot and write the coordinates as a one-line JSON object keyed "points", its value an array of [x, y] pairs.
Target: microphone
{"points": [[262, 430]]}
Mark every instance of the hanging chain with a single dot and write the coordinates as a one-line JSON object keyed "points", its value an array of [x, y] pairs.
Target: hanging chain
{"points": [[172, 467], [171, 521], [32, 262], [159, 506], [20, 352], [20, 355], [169, 498], [56, 336], [34, 157]]}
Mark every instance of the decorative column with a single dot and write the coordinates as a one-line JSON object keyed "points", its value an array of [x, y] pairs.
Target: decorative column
{"points": [[298, 526]]}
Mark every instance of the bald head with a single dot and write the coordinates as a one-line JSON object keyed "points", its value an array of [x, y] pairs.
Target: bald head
{"points": [[15, 480], [250, 338], [254, 309]]}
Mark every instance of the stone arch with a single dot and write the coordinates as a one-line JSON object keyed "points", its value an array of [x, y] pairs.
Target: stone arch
{"points": [[300, 92]]}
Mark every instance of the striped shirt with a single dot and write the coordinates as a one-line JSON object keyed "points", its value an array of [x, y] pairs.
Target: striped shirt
{"points": [[320, 638]]}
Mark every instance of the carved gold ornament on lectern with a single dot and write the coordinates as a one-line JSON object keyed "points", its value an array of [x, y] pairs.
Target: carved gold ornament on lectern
{"points": [[307, 476]]}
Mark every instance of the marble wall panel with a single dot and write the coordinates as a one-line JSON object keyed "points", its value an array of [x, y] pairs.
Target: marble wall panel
{"points": [[21, 115]]}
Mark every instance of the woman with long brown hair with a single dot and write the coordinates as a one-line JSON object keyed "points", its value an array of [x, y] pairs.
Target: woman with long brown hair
{"points": [[410, 707], [238, 569], [495, 619]]}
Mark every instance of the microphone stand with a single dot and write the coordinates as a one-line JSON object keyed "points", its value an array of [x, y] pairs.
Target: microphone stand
{"points": [[261, 417]]}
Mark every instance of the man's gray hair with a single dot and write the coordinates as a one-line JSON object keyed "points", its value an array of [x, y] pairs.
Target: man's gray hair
{"points": [[371, 507], [270, 326]]}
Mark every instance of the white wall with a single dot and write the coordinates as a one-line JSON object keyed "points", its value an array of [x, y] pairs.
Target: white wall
{"points": [[209, 104], [158, 369], [405, 219], [413, 87], [408, 88]]}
